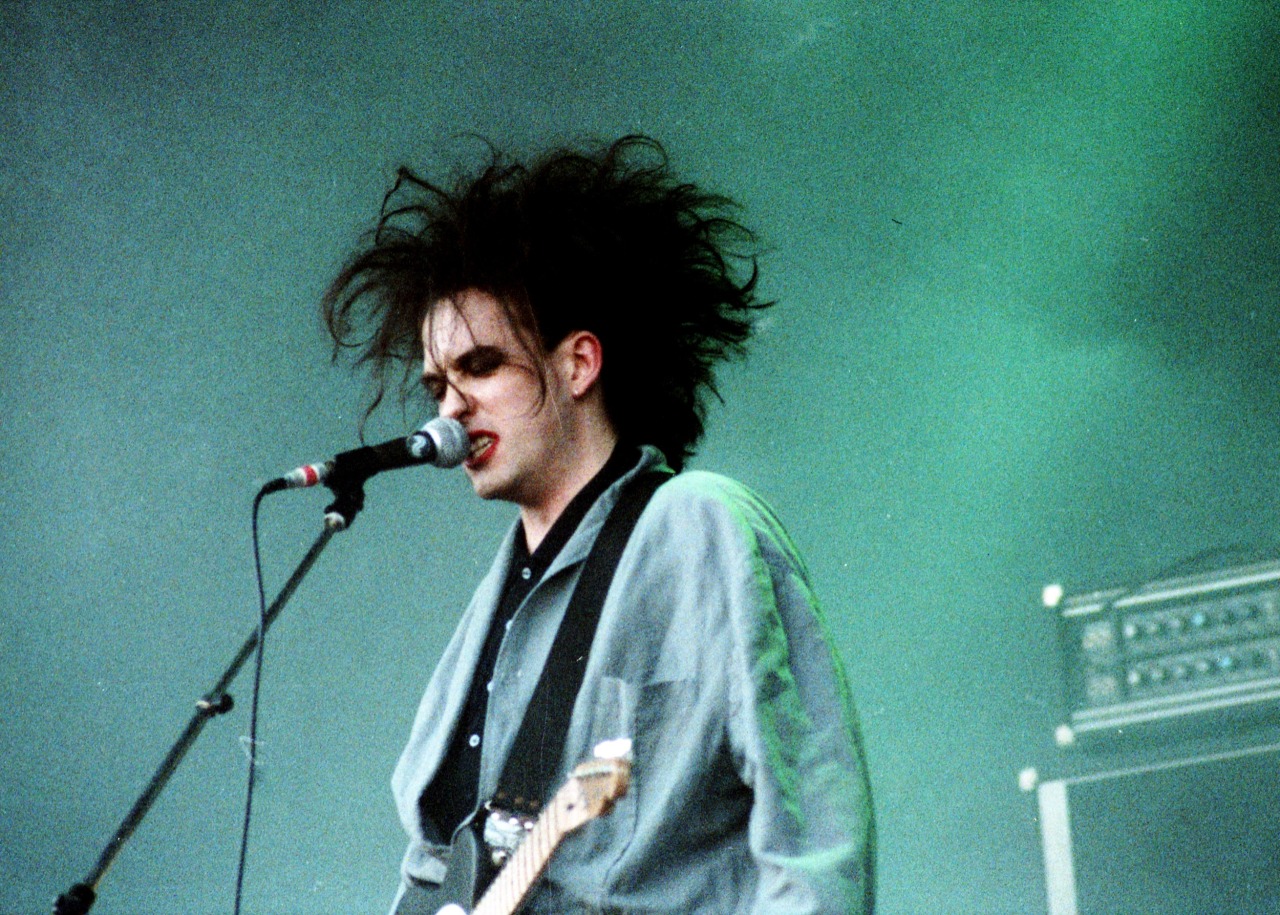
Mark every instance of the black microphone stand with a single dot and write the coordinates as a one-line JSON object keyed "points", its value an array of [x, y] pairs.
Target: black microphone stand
{"points": [[349, 500]]}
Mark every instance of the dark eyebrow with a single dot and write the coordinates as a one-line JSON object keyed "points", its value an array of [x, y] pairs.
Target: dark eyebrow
{"points": [[474, 358], [470, 362]]}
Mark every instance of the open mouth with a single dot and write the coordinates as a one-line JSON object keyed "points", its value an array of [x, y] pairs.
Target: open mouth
{"points": [[482, 444]]}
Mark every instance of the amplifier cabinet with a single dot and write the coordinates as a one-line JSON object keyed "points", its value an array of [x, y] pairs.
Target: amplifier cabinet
{"points": [[1188, 836]]}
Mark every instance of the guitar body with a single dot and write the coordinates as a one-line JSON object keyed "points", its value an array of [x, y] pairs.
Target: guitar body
{"points": [[590, 792], [461, 881]]}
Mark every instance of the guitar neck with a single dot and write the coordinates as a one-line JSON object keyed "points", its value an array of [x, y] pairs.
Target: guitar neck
{"points": [[510, 887]]}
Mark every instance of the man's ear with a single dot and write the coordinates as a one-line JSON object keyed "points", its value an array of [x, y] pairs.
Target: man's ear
{"points": [[583, 358]]}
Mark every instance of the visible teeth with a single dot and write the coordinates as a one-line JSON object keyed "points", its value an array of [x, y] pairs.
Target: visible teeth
{"points": [[479, 444]]}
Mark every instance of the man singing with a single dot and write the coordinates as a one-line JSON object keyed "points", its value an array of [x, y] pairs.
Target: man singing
{"points": [[569, 313]]}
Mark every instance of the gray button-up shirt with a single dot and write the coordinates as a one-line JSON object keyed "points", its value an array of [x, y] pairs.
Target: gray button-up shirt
{"points": [[749, 790]]}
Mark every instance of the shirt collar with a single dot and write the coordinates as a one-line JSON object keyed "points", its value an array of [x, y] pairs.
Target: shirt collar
{"points": [[620, 461]]}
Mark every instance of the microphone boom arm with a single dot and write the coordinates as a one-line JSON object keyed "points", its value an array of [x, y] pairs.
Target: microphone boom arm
{"points": [[442, 442], [80, 897]]}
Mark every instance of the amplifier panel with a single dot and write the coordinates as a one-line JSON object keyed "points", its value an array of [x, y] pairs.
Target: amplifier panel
{"points": [[1172, 651]]}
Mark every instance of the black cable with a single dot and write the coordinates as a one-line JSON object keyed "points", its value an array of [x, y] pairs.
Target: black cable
{"points": [[253, 708]]}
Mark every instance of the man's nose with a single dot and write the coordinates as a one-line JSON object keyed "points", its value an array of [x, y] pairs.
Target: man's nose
{"points": [[455, 403]]}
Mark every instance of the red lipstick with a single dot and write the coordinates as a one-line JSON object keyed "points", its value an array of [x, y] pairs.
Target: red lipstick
{"points": [[483, 444]]}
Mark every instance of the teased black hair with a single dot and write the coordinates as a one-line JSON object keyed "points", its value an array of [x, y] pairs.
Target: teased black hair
{"points": [[606, 240]]}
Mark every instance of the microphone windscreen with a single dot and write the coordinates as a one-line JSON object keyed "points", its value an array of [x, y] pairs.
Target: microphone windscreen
{"points": [[448, 442]]}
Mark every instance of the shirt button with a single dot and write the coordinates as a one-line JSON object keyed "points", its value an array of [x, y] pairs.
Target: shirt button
{"points": [[473, 740], [526, 573], [489, 686]]}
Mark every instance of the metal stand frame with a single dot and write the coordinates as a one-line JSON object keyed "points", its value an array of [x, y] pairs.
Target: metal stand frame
{"points": [[80, 897]]}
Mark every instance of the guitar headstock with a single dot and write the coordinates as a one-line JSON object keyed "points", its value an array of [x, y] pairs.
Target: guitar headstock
{"points": [[592, 790]]}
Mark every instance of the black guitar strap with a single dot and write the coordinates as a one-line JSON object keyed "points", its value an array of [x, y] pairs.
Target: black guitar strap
{"points": [[527, 776]]}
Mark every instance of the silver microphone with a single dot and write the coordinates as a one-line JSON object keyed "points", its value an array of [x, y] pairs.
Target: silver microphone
{"points": [[442, 443]]}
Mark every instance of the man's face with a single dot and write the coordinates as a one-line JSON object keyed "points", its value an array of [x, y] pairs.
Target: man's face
{"points": [[480, 373]]}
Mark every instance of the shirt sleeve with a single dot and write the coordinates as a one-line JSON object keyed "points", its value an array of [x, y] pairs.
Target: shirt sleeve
{"points": [[794, 734]]}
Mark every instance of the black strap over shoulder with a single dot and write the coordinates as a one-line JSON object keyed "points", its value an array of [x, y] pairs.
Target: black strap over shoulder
{"points": [[535, 754]]}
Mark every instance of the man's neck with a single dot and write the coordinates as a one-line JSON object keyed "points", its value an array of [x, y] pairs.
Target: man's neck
{"points": [[538, 519]]}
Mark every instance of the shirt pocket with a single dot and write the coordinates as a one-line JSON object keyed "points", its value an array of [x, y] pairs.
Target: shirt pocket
{"points": [[648, 716], [603, 856]]}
